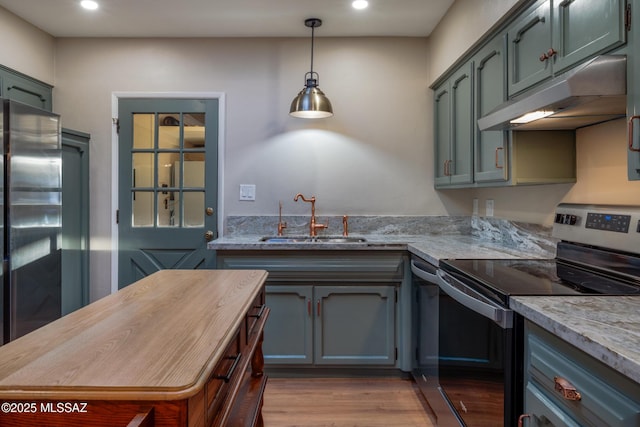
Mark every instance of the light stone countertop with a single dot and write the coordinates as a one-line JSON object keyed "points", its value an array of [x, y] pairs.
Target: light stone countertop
{"points": [[431, 248], [605, 327]]}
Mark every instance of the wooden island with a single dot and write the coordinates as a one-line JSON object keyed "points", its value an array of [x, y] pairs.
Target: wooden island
{"points": [[177, 348]]}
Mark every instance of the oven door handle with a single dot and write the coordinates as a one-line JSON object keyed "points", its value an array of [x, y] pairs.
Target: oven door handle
{"points": [[421, 273], [483, 306]]}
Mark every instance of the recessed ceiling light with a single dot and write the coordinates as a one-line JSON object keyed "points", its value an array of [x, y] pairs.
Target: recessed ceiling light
{"points": [[360, 4], [89, 4]]}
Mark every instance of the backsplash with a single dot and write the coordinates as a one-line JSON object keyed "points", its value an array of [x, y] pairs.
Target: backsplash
{"points": [[513, 234], [359, 225]]}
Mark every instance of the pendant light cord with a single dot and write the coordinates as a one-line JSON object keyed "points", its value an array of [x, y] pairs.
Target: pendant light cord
{"points": [[313, 28]]}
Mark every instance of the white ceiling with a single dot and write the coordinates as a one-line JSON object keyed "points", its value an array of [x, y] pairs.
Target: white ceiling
{"points": [[230, 18]]}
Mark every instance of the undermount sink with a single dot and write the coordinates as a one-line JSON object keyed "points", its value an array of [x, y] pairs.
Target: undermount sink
{"points": [[317, 239]]}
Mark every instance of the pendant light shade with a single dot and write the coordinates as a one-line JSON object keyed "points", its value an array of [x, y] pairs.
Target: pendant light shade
{"points": [[311, 102]]}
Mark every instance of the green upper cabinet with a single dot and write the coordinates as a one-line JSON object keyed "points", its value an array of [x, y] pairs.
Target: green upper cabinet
{"points": [[633, 99], [529, 39], [442, 132], [584, 28], [490, 91], [22, 88], [555, 35], [454, 128]]}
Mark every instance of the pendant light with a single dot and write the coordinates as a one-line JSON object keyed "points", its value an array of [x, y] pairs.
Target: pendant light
{"points": [[311, 103]]}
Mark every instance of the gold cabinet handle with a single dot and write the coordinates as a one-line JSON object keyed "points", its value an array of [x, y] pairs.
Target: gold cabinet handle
{"points": [[630, 134], [209, 211], [497, 157], [208, 236], [567, 389], [548, 54], [447, 167], [522, 418]]}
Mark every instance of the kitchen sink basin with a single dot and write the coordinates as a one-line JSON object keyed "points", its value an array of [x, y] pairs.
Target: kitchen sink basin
{"points": [[317, 239]]}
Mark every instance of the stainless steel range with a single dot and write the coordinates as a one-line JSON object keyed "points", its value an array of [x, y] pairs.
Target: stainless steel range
{"points": [[469, 343]]}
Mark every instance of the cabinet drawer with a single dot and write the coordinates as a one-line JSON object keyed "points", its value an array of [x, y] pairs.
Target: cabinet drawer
{"points": [[543, 411], [254, 314], [226, 373], [605, 396]]}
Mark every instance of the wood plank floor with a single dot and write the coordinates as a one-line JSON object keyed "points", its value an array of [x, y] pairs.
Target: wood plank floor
{"points": [[321, 402]]}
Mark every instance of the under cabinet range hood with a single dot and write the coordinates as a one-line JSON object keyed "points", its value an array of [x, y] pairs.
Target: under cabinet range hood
{"points": [[593, 92]]}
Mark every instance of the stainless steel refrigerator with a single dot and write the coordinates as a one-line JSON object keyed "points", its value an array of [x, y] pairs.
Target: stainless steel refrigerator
{"points": [[31, 218]]}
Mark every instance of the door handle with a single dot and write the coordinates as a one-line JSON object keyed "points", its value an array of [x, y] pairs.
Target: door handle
{"points": [[208, 236]]}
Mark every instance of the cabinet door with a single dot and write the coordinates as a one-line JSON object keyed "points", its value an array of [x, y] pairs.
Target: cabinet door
{"points": [[529, 38], [442, 133], [462, 126], [288, 334], [355, 325], [75, 220], [491, 147], [584, 28], [633, 100]]}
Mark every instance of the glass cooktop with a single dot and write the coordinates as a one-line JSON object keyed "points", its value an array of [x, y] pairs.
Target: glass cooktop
{"points": [[504, 277]]}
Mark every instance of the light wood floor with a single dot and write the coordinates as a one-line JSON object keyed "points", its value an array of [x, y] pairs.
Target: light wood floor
{"points": [[315, 402]]}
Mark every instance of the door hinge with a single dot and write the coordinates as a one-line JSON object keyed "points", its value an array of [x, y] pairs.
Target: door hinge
{"points": [[116, 123], [627, 17], [117, 216]]}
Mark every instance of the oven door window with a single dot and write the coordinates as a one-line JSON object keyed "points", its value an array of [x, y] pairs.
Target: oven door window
{"points": [[471, 358]]}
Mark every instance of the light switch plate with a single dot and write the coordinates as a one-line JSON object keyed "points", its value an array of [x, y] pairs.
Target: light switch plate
{"points": [[247, 192]]}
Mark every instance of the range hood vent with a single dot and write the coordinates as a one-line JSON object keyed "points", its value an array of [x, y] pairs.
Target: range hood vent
{"points": [[591, 93]]}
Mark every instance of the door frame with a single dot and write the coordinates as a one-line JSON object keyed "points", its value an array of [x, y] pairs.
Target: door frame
{"points": [[115, 98]]}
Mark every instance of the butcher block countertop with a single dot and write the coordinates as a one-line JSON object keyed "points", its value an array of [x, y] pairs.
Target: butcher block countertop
{"points": [[157, 339]]}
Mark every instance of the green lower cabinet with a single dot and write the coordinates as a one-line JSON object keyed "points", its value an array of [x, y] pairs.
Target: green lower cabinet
{"points": [[354, 325], [563, 386], [331, 309], [288, 334], [330, 325]]}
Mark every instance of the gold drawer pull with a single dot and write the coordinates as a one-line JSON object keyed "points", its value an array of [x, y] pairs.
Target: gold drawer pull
{"points": [[567, 389]]}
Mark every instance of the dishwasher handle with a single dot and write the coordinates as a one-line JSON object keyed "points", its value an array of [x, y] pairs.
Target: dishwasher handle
{"points": [[471, 299], [420, 270]]}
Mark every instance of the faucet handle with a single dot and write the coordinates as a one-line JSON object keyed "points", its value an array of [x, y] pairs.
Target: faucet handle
{"points": [[345, 225]]}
